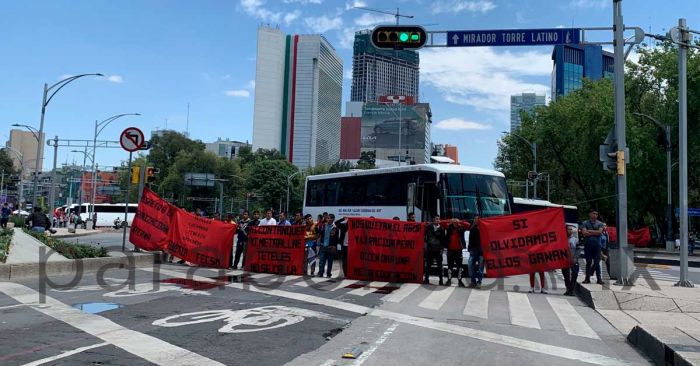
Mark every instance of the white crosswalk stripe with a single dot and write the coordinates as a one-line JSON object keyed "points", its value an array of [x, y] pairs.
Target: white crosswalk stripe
{"points": [[367, 289], [340, 284], [260, 276], [521, 312], [572, 321], [478, 304], [437, 298], [306, 282], [401, 293]]}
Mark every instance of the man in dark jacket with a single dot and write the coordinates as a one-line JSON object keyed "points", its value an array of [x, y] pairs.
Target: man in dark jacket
{"points": [[342, 226], [455, 243], [434, 243], [38, 221], [476, 255]]}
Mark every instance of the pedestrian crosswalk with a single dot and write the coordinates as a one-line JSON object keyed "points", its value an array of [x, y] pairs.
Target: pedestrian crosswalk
{"points": [[650, 274], [521, 312]]}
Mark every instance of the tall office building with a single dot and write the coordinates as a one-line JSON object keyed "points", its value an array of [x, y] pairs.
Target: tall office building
{"points": [[298, 90], [523, 102], [377, 72], [23, 150], [228, 149], [572, 63]]}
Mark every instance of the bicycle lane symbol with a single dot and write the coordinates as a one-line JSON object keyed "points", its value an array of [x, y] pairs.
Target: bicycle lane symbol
{"points": [[247, 320]]}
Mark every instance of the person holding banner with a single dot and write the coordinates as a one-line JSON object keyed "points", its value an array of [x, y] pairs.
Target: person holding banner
{"points": [[592, 229], [242, 238], [310, 238], [283, 219], [342, 226], [476, 255], [268, 220], [328, 239], [455, 243], [434, 244]]}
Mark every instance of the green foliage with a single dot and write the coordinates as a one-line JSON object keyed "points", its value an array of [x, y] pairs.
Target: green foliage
{"points": [[367, 160], [69, 250], [569, 130], [18, 220], [268, 179], [6, 163], [5, 241]]}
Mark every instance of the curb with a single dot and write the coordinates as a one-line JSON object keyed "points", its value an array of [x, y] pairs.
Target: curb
{"points": [[11, 272], [665, 261], [659, 351]]}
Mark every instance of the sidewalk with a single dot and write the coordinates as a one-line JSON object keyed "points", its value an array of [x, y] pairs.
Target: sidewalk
{"points": [[663, 322], [26, 249]]}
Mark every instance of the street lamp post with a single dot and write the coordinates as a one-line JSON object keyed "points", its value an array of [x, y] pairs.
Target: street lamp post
{"points": [[101, 126], [45, 102], [533, 149], [669, 201], [80, 191]]}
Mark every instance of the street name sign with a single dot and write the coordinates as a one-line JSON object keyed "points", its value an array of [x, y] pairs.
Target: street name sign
{"points": [[691, 212], [131, 139], [513, 37]]}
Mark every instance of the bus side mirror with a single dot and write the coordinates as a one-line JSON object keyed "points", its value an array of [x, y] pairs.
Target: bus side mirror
{"points": [[411, 199]]}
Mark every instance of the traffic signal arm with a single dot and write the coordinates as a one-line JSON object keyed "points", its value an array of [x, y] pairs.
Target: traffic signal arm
{"points": [[399, 37]]}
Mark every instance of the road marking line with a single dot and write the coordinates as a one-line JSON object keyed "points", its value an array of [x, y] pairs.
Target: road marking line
{"points": [[339, 285], [142, 345], [521, 312], [478, 304], [400, 294], [546, 349], [572, 321], [314, 280], [65, 354], [260, 276], [437, 298], [365, 355], [368, 288]]}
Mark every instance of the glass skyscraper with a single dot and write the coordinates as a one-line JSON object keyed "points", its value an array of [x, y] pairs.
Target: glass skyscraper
{"points": [[523, 102], [572, 63]]}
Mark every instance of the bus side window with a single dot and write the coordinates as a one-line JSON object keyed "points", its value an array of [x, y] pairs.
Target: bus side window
{"points": [[427, 200]]}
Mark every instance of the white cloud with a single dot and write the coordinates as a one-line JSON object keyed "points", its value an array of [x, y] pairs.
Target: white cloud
{"points": [[238, 93], [456, 6], [115, 79], [303, 2], [289, 18], [251, 84], [368, 20], [482, 78], [600, 4], [256, 9], [323, 23], [355, 3], [346, 40], [458, 124], [347, 74]]}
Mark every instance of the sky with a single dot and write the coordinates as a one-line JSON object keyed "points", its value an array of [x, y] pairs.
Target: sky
{"points": [[159, 56]]}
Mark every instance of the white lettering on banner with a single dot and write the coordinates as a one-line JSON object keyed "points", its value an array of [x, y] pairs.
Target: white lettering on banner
{"points": [[246, 320]]}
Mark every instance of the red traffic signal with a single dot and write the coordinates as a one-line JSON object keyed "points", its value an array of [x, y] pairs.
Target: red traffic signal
{"points": [[399, 37], [151, 174]]}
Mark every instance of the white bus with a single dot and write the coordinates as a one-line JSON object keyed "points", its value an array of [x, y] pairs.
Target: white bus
{"points": [[106, 212], [452, 191], [527, 204]]}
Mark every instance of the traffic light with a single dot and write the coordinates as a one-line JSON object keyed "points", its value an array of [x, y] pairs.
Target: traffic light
{"points": [[399, 37], [150, 174], [135, 174]]}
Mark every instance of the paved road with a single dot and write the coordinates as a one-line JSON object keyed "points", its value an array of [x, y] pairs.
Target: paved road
{"points": [[214, 317], [110, 239]]}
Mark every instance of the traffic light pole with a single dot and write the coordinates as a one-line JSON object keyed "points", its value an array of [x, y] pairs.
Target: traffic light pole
{"points": [[142, 180]]}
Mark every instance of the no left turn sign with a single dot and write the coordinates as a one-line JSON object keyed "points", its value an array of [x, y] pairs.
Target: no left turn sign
{"points": [[132, 139]]}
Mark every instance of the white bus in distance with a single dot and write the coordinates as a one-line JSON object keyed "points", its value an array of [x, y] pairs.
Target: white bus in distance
{"points": [[528, 204], [451, 191], [106, 212]]}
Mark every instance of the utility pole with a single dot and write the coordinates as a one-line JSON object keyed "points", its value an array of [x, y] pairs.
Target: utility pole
{"points": [[52, 192], [619, 43]]}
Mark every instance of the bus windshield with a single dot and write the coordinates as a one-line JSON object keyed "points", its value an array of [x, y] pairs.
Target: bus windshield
{"points": [[466, 195]]}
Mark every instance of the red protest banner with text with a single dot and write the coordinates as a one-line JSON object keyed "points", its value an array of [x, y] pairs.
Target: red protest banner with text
{"points": [[385, 250], [151, 224], [199, 240], [534, 241], [275, 249]]}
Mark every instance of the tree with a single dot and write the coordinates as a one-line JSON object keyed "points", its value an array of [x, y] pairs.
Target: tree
{"points": [[268, 179], [367, 160], [166, 147], [6, 164]]}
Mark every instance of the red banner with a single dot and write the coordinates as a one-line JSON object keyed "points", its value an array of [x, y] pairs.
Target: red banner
{"points": [[385, 250], [275, 249], [151, 224], [523, 243], [199, 240], [640, 237]]}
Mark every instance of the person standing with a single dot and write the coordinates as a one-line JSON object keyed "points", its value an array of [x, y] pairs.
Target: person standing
{"points": [[241, 239], [592, 229], [411, 217], [268, 220], [283, 220], [298, 219], [326, 243], [342, 226], [434, 243], [311, 237], [604, 252], [455, 243], [94, 220], [571, 273], [476, 255], [4, 215]]}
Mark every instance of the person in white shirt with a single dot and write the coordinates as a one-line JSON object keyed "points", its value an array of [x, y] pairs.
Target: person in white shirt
{"points": [[268, 220]]}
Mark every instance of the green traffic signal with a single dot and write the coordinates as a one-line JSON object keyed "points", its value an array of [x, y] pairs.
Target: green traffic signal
{"points": [[399, 37], [415, 37], [403, 37]]}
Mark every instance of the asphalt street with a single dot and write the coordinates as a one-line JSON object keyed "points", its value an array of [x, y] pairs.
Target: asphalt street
{"points": [[178, 315]]}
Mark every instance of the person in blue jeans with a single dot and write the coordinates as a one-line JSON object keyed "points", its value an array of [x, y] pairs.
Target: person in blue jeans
{"points": [[327, 242], [5, 215], [476, 255], [592, 229]]}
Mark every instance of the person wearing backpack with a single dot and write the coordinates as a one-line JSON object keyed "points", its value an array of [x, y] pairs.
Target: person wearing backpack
{"points": [[435, 237]]}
